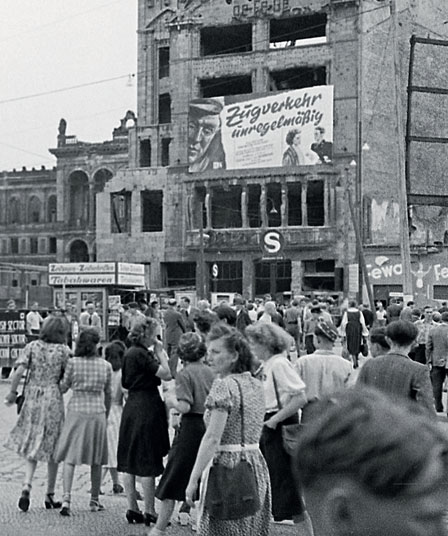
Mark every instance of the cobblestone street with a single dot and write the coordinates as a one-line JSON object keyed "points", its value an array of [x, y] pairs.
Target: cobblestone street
{"points": [[40, 522]]}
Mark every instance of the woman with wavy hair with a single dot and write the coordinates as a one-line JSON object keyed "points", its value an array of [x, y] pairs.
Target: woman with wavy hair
{"points": [[236, 399], [284, 395], [39, 425], [143, 439]]}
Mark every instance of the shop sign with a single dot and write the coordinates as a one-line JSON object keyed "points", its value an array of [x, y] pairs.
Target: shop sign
{"points": [[383, 269], [12, 336], [82, 268], [131, 280], [81, 279], [130, 268]]}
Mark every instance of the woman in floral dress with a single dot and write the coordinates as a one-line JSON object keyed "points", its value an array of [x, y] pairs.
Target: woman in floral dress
{"points": [[37, 430], [231, 359]]}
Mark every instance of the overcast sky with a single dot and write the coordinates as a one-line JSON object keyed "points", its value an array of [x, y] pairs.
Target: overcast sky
{"points": [[48, 45]]}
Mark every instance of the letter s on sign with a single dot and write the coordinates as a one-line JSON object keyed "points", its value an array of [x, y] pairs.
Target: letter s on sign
{"points": [[272, 242]]}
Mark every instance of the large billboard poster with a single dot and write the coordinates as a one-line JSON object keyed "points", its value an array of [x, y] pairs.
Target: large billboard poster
{"points": [[290, 128]]}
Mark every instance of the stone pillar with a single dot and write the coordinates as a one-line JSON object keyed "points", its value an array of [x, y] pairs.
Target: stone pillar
{"points": [[263, 200], [248, 278], [284, 206], [244, 201], [208, 208], [326, 203], [304, 204], [296, 278]]}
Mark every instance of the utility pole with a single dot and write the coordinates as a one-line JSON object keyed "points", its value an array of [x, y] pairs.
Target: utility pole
{"points": [[201, 275], [405, 247]]}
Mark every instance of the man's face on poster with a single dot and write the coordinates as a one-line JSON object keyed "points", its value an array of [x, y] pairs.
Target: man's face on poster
{"points": [[318, 135], [201, 131]]}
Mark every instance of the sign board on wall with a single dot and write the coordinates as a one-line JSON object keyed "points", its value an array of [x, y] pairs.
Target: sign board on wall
{"points": [[96, 274], [288, 128], [12, 336]]}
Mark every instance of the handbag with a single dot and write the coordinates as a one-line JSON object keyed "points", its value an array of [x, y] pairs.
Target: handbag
{"points": [[290, 432], [364, 347], [21, 398], [232, 492]]}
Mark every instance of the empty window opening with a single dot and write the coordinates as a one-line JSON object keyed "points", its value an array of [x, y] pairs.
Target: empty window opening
{"points": [[165, 108], [295, 203], [52, 209], [145, 153], [319, 275], [273, 204], [315, 203], [272, 277], [14, 245], [164, 62], [297, 78], [195, 209], [298, 31], [152, 211], [233, 39], [229, 85], [253, 205], [165, 159], [52, 245], [33, 246], [180, 274], [14, 211], [34, 210], [230, 277], [226, 208], [120, 212]]}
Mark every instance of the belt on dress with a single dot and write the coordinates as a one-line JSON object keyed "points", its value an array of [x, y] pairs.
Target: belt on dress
{"points": [[238, 447]]}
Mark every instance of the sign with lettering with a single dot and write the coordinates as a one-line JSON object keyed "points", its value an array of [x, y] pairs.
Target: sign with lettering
{"points": [[12, 336], [96, 274], [81, 279], [82, 268], [289, 128], [272, 243]]}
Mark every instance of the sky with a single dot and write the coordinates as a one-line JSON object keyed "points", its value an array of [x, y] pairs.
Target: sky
{"points": [[49, 45]]}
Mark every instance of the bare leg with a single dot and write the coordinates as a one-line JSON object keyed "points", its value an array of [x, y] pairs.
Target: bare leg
{"points": [[67, 479], [131, 493], [52, 469], [165, 513], [30, 468], [114, 475], [95, 481], [149, 488]]}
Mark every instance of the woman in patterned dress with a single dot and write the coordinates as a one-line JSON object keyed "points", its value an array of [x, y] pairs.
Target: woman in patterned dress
{"points": [[39, 425], [231, 359]]}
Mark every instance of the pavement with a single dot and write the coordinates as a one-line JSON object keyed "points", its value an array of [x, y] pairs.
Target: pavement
{"points": [[41, 522]]}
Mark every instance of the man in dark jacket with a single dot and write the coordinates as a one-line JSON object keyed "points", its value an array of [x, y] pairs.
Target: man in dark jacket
{"points": [[437, 357], [242, 316]]}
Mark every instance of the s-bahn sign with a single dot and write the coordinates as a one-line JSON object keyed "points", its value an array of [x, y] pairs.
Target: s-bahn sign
{"points": [[272, 243]]}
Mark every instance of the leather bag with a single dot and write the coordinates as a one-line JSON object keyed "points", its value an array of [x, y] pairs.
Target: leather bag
{"points": [[232, 492]]}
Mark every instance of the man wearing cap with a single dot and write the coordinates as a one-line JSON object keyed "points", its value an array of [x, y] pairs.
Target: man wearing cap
{"points": [[205, 150], [324, 372], [242, 316], [174, 327]]}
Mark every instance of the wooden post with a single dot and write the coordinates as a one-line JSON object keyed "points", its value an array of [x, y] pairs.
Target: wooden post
{"points": [[405, 247], [201, 274]]}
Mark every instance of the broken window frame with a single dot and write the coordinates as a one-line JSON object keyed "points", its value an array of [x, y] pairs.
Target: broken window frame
{"points": [[120, 204], [224, 36], [152, 211], [313, 33]]}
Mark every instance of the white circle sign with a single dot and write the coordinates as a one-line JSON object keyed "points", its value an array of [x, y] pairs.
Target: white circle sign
{"points": [[272, 242]]}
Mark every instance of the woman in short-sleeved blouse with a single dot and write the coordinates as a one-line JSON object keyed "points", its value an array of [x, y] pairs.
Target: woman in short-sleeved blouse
{"points": [[39, 425], [143, 439], [230, 358], [284, 395]]}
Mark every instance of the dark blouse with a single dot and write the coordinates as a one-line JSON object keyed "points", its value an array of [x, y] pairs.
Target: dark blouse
{"points": [[139, 370]]}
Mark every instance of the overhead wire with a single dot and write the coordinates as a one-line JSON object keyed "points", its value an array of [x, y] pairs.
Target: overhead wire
{"points": [[145, 71]]}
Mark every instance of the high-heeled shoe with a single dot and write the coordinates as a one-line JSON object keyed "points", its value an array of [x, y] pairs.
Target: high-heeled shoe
{"points": [[134, 517], [150, 518], [96, 506], [24, 501], [50, 502], [65, 510]]}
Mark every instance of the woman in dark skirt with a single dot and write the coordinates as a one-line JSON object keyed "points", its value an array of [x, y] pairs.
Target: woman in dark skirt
{"points": [[284, 395], [193, 384], [353, 330], [143, 440]]}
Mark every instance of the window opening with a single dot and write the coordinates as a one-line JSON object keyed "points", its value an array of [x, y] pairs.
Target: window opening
{"points": [[165, 108], [226, 207], [164, 62], [180, 274], [14, 245], [165, 159], [230, 278], [219, 40], [228, 85], [315, 203], [298, 31], [52, 245], [121, 212], [294, 203], [253, 205], [273, 204], [152, 211], [297, 78], [145, 153]]}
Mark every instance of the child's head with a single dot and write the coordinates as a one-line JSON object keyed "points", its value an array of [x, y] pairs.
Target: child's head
{"points": [[114, 353]]}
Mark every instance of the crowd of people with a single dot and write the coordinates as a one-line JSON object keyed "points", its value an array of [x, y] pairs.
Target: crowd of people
{"points": [[229, 381]]}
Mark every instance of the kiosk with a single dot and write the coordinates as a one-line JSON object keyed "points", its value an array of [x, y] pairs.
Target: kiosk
{"points": [[99, 282]]}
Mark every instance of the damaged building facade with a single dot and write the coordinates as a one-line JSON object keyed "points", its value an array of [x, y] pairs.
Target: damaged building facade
{"points": [[262, 228]]}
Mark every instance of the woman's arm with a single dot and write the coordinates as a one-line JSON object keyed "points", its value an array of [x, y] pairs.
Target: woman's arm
{"points": [[296, 402], [67, 379], [10, 398], [179, 405], [207, 450], [163, 371]]}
